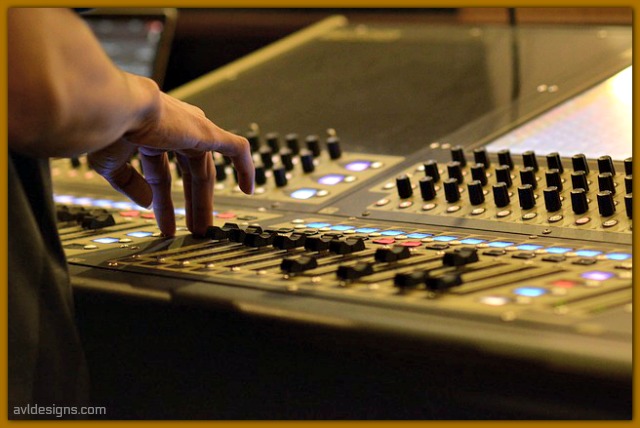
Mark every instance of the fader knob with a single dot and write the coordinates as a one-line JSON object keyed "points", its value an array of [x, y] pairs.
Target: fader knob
{"points": [[266, 156], [98, 222], [258, 239], [579, 201], [405, 280], [579, 163], [298, 264], [317, 243], [306, 159], [403, 184], [628, 184], [529, 160], [347, 246], [579, 180], [503, 175], [431, 170], [457, 155], [481, 156], [501, 195], [427, 188], [393, 254], [333, 146], [351, 272], [526, 197], [628, 204], [280, 176], [284, 242], [552, 200], [254, 140], [292, 143], [554, 162], [454, 170], [605, 164], [460, 257], [221, 171], [478, 173], [286, 157], [553, 179], [628, 166], [273, 141], [528, 176], [606, 206], [476, 195], [443, 282], [313, 145], [451, 190], [261, 177], [605, 182], [504, 158]]}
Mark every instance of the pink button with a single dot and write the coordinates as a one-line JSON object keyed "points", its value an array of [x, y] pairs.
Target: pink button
{"points": [[148, 215], [384, 241], [132, 213], [411, 243], [226, 215]]}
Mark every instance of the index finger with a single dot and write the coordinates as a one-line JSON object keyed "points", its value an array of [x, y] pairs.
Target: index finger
{"points": [[238, 150]]}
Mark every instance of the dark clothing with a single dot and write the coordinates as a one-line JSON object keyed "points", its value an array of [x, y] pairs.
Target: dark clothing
{"points": [[46, 361]]}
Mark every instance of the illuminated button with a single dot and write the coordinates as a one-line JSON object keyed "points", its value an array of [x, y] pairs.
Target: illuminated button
{"points": [[529, 247], [392, 232], [500, 244], [140, 234], [530, 291], [63, 199], [588, 253], [384, 241], [472, 241], [83, 201], [618, 256], [304, 193], [367, 230], [226, 215], [131, 213], [149, 215], [357, 166], [318, 225], [564, 283], [418, 235], [341, 227], [445, 238], [495, 300], [597, 275], [107, 240], [104, 203], [558, 250], [411, 243], [331, 179]]}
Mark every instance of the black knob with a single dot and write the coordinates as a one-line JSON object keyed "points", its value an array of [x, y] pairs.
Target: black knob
{"points": [[443, 282], [347, 246], [605, 182], [313, 145], [306, 159], [427, 188], [273, 141], [504, 158], [526, 197], [284, 242], [554, 162], [553, 179], [98, 221], [605, 164], [258, 239], [75, 162], [261, 177], [451, 190], [454, 170], [298, 264], [280, 176], [333, 145], [457, 155], [481, 156], [528, 176], [628, 204], [254, 140], [236, 234], [405, 280], [529, 160], [503, 175], [579, 180], [403, 184], [292, 143], [579, 201], [286, 157], [628, 166], [460, 257], [606, 206], [552, 201], [479, 173], [351, 272], [216, 232], [501, 195], [266, 155], [476, 195], [221, 171], [579, 163], [393, 254], [628, 184], [431, 170], [317, 243]]}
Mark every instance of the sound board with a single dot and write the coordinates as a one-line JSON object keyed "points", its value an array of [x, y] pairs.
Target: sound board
{"points": [[400, 191]]}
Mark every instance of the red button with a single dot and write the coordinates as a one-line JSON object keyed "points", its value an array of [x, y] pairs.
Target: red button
{"points": [[411, 243], [132, 213], [226, 215], [384, 241], [148, 215], [565, 283]]}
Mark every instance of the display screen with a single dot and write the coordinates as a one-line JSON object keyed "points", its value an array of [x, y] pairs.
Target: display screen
{"points": [[596, 122]]}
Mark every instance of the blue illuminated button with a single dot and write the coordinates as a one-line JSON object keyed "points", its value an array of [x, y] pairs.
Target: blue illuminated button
{"points": [[392, 232], [418, 235], [472, 241], [331, 179], [82, 201], [500, 244], [530, 291], [529, 247], [63, 199], [182, 211], [588, 253], [140, 234], [107, 240], [367, 230], [618, 256], [558, 250], [123, 205], [104, 203], [318, 225], [304, 193], [597, 275], [444, 238], [357, 166], [341, 227]]}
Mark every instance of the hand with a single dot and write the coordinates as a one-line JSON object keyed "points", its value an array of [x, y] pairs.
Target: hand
{"points": [[184, 129]]}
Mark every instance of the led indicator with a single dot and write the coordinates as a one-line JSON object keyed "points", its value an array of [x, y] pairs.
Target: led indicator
{"points": [[341, 227], [418, 235], [618, 256], [358, 166], [530, 291], [331, 179], [367, 230], [472, 241], [597, 275], [303, 193], [318, 225], [588, 253], [392, 232], [558, 250], [495, 300], [529, 247], [444, 238], [140, 234], [107, 240], [500, 244]]}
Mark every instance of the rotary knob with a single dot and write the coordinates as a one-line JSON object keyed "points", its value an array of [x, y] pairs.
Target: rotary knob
{"points": [[528, 176], [480, 156], [552, 201], [306, 160], [313, 145], [606, 205], [529, 160], [457, 155], [431, 170], [554, 162], [451, 190], [579, 163], [503, 175], [273, 141], [333, 146], [504, 158], [605, 164], [501, 195], [403, 184], [579, 180], [479, 173], [579, 201], [292, 143], [526, 197], [476, 195], [454, 170], [605, 182], [427, 188]]}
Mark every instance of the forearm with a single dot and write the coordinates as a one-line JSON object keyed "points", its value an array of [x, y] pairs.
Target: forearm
{"points": [[65, 96]]}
